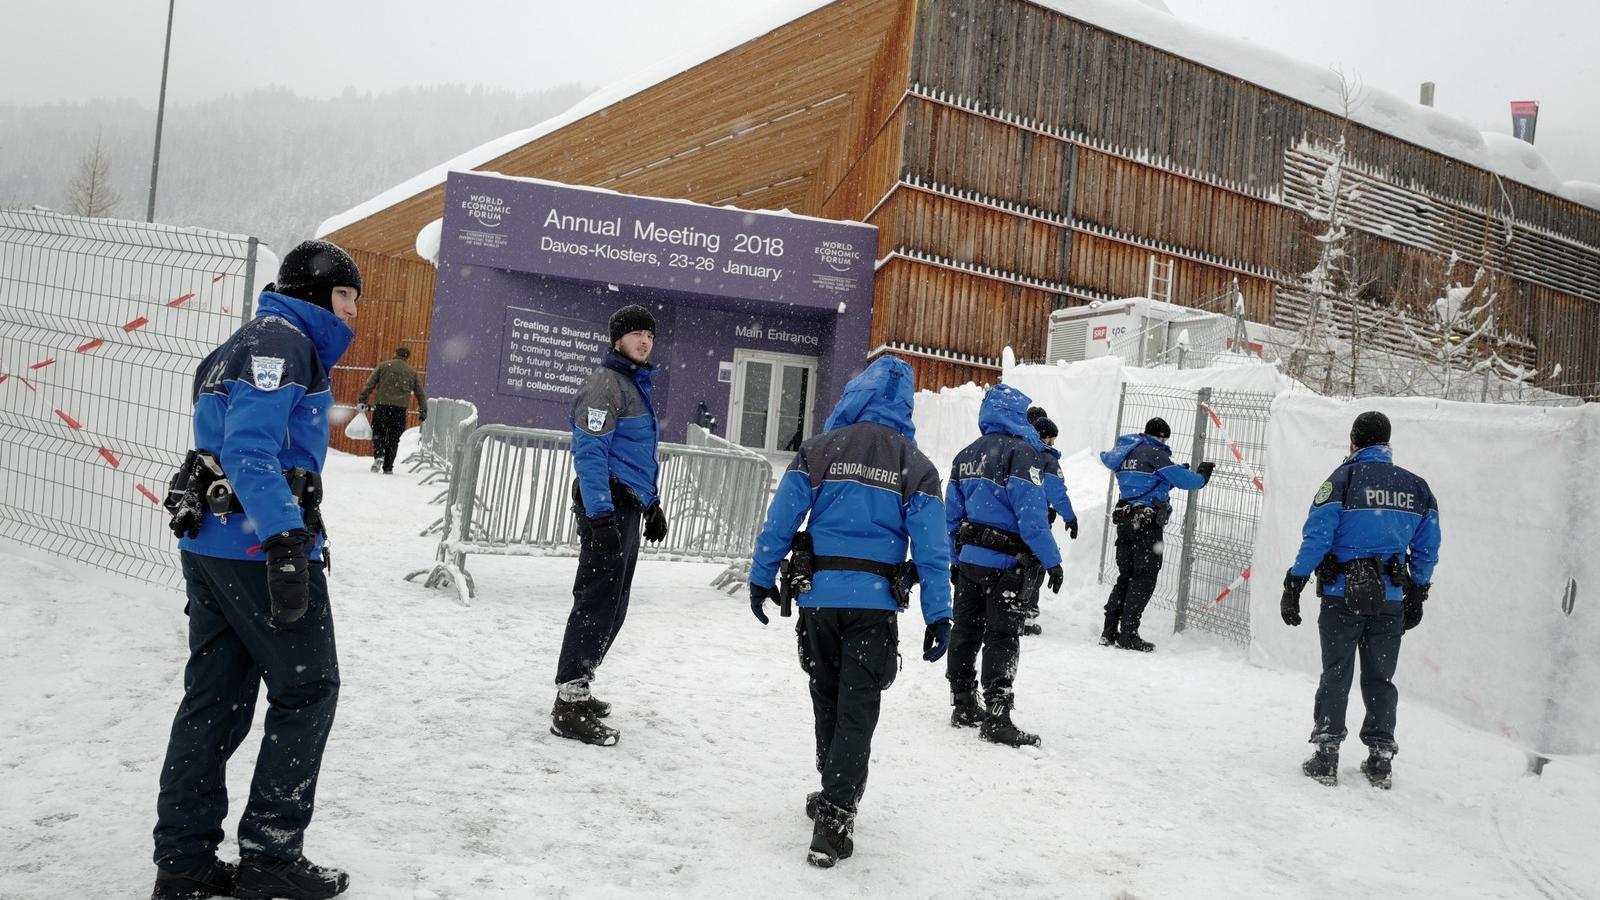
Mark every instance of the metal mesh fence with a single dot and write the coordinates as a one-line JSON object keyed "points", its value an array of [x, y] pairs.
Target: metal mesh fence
{"points": [[101, 326], [1209, 540]]}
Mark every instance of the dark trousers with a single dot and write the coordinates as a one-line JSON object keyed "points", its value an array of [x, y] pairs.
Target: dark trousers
{"points": [[1138, 566], [990, 610], [599, 599], [852, 656], [388, 423], [232, 650], [1376, 639]]}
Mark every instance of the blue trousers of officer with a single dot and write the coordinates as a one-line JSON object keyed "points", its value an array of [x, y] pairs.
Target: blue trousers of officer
{"points": [[852, 656], [599, 599], [233, 649], [1376, 639]]}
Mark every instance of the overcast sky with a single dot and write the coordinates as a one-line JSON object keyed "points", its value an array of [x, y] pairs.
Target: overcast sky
{"points": [[1482, 54]]}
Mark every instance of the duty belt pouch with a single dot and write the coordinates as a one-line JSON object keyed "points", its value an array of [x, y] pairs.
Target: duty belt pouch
{"points": [[1364, 588]]}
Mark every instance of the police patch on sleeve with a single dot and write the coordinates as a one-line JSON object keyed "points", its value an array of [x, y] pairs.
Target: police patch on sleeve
{"points": [[266, 372], [597, 419], [1323, 493], [1037, 476]]}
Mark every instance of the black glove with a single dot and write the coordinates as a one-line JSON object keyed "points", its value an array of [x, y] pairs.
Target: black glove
{"points": [[655, 524], [760, 595], [1415, 594], [936, 640], [1050, 515], [605, 536], [1289, 606], [1072, 528], [288, 575], [1053, 577], [1205, 470]]}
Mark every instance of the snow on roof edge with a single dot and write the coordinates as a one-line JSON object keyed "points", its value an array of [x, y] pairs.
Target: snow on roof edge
{"points": [[1264, 67], [714, 45], [1280, 73]]}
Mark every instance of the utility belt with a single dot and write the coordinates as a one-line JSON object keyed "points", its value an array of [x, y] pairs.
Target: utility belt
{"points": [[796, 572], [988, 537], [1140, 515], [1365, 591], [200, 486], [622, 497]]}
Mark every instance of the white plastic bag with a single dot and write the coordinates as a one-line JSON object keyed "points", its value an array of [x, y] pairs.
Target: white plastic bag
{"points": [[359, 429]]}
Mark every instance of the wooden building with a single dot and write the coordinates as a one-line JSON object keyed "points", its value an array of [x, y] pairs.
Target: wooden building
{"points": [[1017, 157]]}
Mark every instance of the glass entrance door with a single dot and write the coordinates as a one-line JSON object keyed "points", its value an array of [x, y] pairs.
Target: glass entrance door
{"points": [[771, 401]]}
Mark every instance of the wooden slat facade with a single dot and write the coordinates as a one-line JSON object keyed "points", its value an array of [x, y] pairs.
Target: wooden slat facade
{"points": [[1018, 160]]}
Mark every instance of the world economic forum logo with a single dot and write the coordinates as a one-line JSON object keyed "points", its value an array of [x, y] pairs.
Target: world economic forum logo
{"points": [[489, 211], [839, 255]]}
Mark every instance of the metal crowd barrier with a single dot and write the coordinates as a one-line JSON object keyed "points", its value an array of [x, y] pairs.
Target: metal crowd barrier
{"points": [[715, 499], [447, 425]]}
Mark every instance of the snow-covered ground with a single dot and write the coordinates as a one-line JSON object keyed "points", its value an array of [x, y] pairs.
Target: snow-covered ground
{"points": [[1169, 775]]}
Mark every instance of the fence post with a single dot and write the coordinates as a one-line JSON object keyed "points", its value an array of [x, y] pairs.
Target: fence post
{"points": [[1111, 489], [1191, 511], [248, 303]]}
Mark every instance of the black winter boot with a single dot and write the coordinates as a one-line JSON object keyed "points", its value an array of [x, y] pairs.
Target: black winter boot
{"points": [[1379, 768], [596, 707], [1323, 765], [1132, 641], [968, 713], [811, 804], [574, 721], [1032, 628], [999, 729], [214, 879], [292, 879], [1108, 631], [830, 837]]}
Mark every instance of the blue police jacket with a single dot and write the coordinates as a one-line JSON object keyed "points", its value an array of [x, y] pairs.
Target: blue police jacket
{"points": [[1371, 508], [1055, 485], [261, 404], [1145, 471], [868, 491], [615, 435], [999, 480]]}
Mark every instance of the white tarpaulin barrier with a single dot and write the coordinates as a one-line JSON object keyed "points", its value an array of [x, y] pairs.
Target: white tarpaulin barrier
{"points": [[1505, 643]]}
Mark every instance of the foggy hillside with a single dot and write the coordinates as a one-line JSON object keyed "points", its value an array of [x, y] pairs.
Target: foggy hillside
{"points": [[269, 162]]}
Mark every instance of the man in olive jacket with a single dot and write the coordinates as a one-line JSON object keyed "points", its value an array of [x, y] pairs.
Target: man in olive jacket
{"points": [[394, 381]]}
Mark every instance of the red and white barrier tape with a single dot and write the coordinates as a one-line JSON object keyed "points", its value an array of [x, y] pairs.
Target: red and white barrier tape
{"points": [[1255, 479]]}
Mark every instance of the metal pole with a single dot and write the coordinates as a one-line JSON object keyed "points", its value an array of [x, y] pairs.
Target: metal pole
{"points": [[161, 108], [1191, 512], [247, 302], [1111, 489]]}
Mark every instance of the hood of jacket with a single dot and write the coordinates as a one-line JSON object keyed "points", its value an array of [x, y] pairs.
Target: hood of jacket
{"points": [[1114, 457], [328, 333], [882, 393], [1005, 411]]}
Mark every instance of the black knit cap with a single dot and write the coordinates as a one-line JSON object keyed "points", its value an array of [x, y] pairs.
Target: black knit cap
{"points": [[403, 353], [1035, 413], [1370, 428], [630, 319], [1158, 428], [1046, 428], [312, 270]]}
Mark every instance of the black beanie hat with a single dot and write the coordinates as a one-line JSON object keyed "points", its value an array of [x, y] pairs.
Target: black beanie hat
{"points": [[630, 319], [1370, 428], [1046, 428], [1035, 413], [403, 353], [1158, 428], [312, 270]]}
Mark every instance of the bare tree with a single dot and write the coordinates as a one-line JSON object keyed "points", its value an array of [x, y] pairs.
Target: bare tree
{"points": [[90, 194]]}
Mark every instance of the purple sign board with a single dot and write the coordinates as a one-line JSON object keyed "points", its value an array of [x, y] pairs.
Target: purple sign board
{"points": [[530, 271]]}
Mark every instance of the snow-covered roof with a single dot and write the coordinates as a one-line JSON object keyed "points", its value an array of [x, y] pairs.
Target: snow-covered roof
{"points": [[1146, 21]]}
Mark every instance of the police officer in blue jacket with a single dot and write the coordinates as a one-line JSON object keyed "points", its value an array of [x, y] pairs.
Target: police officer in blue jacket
{"points": [[867, 491], [614, 440], [1146, 476], [996, 514], [252, 552], [1055, 489], [1372, 539]]}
